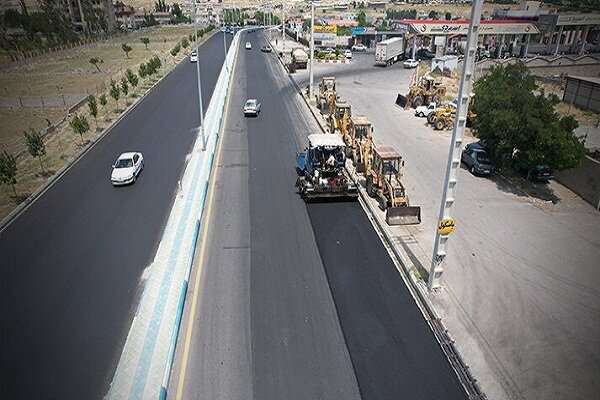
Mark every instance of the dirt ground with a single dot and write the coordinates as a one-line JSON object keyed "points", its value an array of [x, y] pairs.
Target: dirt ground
{"points": [[63, 145]]}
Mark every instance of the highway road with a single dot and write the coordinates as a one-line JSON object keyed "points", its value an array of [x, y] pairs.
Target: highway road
{"points": [[72, 262], [294, 301]]}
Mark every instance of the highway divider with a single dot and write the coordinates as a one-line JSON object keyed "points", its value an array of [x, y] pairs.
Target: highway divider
{"points": [[146, 361]]}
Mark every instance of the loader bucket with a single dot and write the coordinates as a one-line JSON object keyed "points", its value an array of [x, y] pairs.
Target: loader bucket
{"points": [[401, 100], [403, 215]]}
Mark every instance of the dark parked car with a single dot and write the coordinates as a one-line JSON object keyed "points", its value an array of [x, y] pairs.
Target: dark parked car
{"points": [[540, 173], [425, 54], [265, 49], [476, 158]]}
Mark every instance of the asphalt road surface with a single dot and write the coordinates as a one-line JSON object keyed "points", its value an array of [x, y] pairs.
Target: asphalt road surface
{"points": [[296, 302], [72, 262]]}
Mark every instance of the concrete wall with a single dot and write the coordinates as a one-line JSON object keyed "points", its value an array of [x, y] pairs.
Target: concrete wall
{"points": [[588, 65], [583, 180]]}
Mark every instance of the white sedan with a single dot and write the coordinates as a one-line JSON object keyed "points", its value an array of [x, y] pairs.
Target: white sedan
{"points": [[194, 57], [251, 108], [411, 63], [348, 54], [127, 168], [248, 46]]}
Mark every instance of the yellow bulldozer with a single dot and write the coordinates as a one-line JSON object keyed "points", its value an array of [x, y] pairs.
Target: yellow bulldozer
{"points": [[339, 120], [422, 91], [327, 95], [359, 142], [384, 182], [442, 118]]}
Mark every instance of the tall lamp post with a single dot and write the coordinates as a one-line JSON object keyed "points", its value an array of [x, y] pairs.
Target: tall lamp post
{"points": [[199, 82], [312, 49], [445, 221]]}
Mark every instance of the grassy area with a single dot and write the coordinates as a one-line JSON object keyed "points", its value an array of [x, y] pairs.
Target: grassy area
{"points": [[62, 144]]}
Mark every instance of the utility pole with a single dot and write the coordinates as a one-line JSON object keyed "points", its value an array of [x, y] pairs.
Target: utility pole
{"points": [[312, 49], [282, 24], [199, 82], [445, 221]]}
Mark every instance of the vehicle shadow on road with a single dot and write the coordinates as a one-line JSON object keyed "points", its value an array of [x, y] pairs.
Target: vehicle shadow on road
{"points": [[515, 184]]}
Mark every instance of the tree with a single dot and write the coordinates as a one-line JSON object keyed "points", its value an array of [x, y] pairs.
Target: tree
{"points": [[433, 14], [184, 43], [115, 92], [80, 125], [175, 49], [35, 145], [103, 100], [126, 49], [448, 16], [8, 170], [145, 41], [142, 70], [131, 78], [124, 87], [518, 123], [93, 107], [95, 61], [361, 18]]}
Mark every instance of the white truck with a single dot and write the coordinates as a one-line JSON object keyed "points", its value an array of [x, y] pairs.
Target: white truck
{"points": [[389, 51], [300, 58]]}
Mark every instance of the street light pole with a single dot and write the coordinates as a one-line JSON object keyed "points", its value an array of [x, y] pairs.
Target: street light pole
{"points": [[312, 49], [199, 83], [445, 222], [282, 24]]}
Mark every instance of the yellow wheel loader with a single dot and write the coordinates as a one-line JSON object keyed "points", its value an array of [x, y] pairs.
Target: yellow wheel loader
{"points": [[359, 142], [384, 182], [327, 95]]}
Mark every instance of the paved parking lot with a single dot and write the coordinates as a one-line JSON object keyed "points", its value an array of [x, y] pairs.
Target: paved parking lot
{"points": [[520, 291]]}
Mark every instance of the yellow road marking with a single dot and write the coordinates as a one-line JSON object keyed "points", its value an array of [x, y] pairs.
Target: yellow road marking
{"points": [[203, 237]]}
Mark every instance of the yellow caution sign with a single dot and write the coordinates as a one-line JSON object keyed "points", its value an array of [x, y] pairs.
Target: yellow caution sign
{"points": [[446, 226]]}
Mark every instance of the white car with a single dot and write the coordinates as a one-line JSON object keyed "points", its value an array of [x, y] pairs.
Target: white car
{"points": [[127, 168], [424, 111], [411, 63], [348, 54], [248, 46], [194, 57], [359, 47], [251, 108]]}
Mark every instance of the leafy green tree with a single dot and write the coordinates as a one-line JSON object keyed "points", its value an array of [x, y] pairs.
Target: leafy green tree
{"points": [[35, 145], [448, 16], [8, 170], [142, 70], [131, 78], [115, 91], [145, 41], [175, 49], [433, 14], [361, 18], [93, 108], [103, 101], [185, 43], [95, 61], [126, 49], [518, 123], [80, 125], [124, 87]]}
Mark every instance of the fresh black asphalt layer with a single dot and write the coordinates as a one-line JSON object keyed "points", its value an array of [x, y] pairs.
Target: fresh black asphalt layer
{"points": [[72, 262], [394, 353]]}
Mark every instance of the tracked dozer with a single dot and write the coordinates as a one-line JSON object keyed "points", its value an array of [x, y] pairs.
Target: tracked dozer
{"points": [[327, 95], [339, 120], [422, 91], [359, 142], [384, 182], [322, 170]]}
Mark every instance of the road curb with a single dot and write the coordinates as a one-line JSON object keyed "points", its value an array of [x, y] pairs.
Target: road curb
{"points": [[22, 207], [417, 290]]}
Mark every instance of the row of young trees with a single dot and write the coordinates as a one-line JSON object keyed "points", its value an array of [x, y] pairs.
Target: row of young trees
{"points": [[80, 125], [186, 41], [235, 16], [263, 18]]}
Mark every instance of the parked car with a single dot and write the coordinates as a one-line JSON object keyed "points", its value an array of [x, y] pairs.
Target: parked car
{"points": [[425, 54], [248, 46], [251, 108], [265, 49], [194, 57], [348, 54], [359, 47], [539, 173], [127, 168], [410, 63], [477, 159], [424, 111]]}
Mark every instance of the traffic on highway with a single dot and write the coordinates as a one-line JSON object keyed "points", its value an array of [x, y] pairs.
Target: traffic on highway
{"points": [[269, 218]]}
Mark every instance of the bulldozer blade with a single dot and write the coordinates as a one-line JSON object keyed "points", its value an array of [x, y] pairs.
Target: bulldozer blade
{"points": [[403, 215], [401, 100]]}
